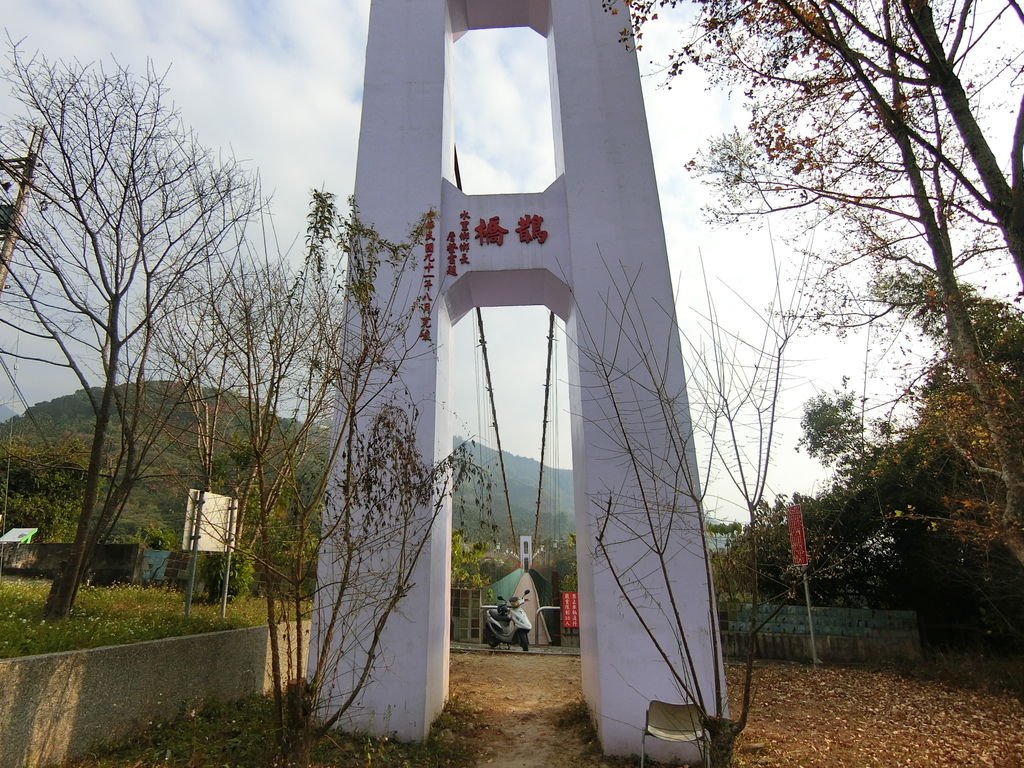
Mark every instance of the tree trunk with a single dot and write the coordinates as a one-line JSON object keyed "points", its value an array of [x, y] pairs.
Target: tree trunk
{"points": [[724, 733], [998, 410], [297, 738], [1004, 201], [1014, 541], [65, 587]]}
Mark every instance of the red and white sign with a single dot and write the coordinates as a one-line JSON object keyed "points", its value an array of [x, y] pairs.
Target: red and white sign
{"points": [[570, 610], [797, 540]]}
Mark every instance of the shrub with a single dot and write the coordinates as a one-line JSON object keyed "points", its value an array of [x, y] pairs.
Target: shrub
{"points": [[212, 575]]}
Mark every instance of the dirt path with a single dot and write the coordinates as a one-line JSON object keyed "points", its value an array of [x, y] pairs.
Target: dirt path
{"points": [[527, 708], [525, 711]]}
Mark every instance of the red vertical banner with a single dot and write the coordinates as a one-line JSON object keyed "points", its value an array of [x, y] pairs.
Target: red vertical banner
{"points": [[570, 610], [797, 540]]}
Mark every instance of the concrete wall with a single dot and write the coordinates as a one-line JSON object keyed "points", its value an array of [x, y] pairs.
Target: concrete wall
{"points": [[831, 648], [54, 707], [111, 564]]}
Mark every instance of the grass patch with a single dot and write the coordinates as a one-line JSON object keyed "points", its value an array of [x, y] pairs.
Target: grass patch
{"points": [[241, 735], [108, 616], [223, 735]]}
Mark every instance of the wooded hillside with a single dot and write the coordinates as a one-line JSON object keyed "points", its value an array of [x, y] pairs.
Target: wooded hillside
{"points": [[48, 457]]}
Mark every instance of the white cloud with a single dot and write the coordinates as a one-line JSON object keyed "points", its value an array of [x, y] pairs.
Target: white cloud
{"points": [[278, 83], [503, 111], [275, 83]]}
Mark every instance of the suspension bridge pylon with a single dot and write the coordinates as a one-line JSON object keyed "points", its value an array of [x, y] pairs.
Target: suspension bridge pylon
{"points": [[591, 248]]}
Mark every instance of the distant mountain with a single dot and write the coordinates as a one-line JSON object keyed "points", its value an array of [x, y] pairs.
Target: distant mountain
{"points": [[159, 499], [482, 513], [479, 510], [53, 419], [5, 413]]}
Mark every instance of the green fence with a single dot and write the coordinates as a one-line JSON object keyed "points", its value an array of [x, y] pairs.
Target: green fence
{"points": [[842, 635], [835, 622]]}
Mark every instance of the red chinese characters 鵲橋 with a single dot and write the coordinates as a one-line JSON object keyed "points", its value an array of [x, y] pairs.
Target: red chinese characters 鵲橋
{"points": [[530, 229], [491, 232]]}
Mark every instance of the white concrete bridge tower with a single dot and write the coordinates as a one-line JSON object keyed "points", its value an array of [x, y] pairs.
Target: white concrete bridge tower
{"points": [[578, 248]]}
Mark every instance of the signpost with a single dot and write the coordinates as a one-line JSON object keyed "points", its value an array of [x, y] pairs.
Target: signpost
{"points": [[798, 548], [797, 539], [209, 518]]}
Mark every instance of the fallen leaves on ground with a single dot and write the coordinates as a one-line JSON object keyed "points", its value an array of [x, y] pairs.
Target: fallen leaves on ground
{"points": [[847, 717], [831, 717]]}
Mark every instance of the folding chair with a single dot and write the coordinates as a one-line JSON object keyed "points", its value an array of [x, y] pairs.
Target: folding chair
{"points": [[673, 722]]}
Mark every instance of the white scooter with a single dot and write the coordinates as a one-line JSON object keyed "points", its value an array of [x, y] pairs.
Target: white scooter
{"points": [[508, 623]]}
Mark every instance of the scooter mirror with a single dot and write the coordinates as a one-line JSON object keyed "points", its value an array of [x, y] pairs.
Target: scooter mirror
{"points": [[526, 593], [500, 597]]}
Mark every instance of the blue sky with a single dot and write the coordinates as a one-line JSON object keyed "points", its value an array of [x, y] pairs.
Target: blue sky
{"points": [[278, 84]]}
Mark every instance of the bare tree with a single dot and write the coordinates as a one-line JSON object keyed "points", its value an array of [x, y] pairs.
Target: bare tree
{"points": [[191, 351], [125, 203], [734, 388], [310, 361]]}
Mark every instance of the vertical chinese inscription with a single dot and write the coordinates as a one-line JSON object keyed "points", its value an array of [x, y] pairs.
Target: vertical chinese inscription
{"points": [[464, 237], [426, 300], [453, 250]]}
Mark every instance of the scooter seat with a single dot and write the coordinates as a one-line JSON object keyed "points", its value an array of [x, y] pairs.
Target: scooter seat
{"points": [[498, 615]]}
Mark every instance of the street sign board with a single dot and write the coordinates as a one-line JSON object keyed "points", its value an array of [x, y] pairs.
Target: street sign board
{"points": [[570, 610], [797, 539], [214, 523], [18, 536]]}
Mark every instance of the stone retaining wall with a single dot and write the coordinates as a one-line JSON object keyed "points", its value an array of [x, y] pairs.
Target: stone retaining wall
{"points": [[111, 564], [56, 706], [831, 649]]}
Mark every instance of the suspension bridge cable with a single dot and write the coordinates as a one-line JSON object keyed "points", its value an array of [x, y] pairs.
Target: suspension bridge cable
{"points": [[497, 435], [480, 427], [484, 491], [556, 443], [544, 427]]}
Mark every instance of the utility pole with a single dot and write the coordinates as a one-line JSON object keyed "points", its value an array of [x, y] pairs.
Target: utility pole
{"points": [[20, 169]]}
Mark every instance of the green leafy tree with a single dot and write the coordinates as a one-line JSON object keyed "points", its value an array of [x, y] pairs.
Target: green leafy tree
{"points": [[158, 537], [241, 579], [948, 419], [44, 488], [833, 429], [909, 521], [467, 558], [886, 122]]}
